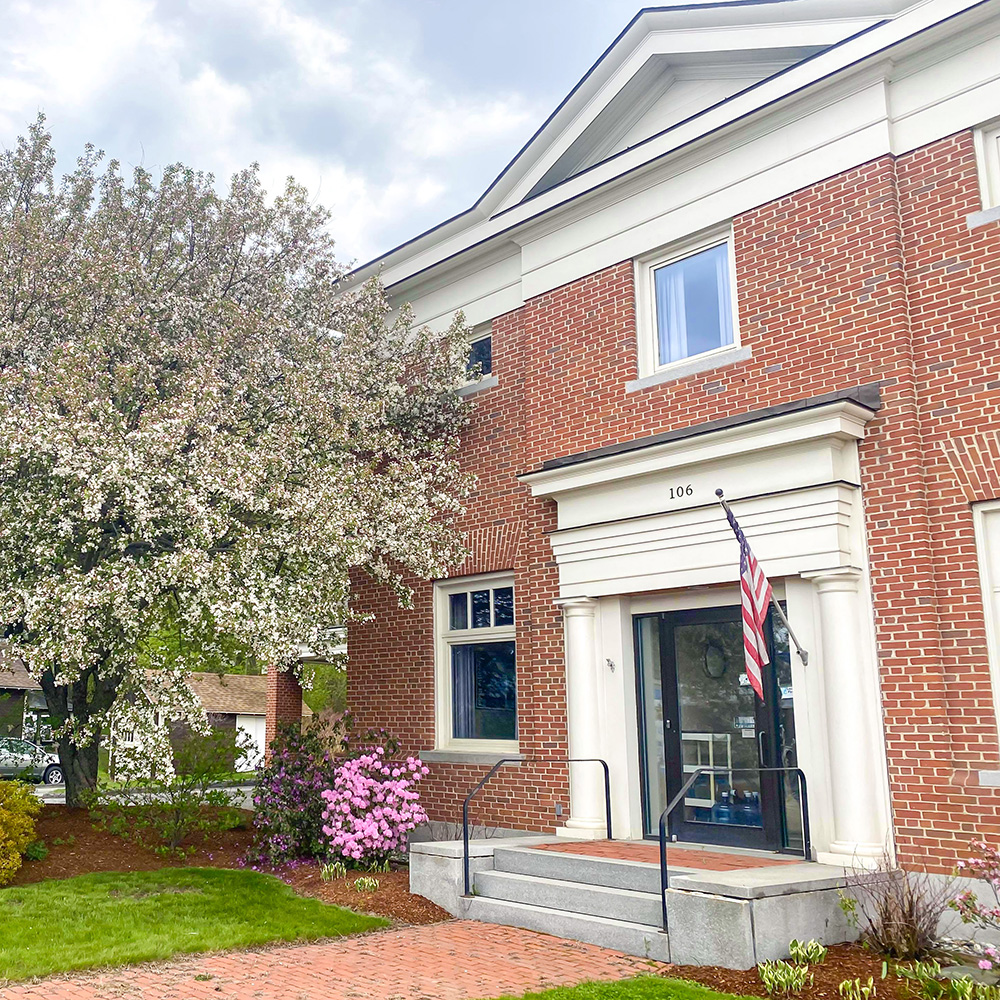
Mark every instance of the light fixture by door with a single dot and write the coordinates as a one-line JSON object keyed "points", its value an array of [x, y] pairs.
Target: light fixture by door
{"points": [[715, 660]]}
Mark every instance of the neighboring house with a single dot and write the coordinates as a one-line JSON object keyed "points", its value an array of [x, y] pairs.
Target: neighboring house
{"points": [[230, 701], [23, 712], [757, 248]]}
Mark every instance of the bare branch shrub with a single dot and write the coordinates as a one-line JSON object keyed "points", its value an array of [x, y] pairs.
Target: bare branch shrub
{"points": [[897, 912]]}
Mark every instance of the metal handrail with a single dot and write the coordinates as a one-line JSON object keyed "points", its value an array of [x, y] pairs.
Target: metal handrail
{"points": [[543, 760], [679, 797]]}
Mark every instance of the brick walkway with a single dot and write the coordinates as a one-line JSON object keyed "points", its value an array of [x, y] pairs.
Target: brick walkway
{"points": [[677, 857], [458, 960]]}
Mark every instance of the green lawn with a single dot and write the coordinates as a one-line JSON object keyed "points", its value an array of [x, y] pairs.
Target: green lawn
{"points": [[116, 919], [640, 988]]}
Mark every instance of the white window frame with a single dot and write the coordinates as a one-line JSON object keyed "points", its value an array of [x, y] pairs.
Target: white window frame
{"points": [[445, 638], [990, 583], [645, 295], [481, 332], [987, 139]]}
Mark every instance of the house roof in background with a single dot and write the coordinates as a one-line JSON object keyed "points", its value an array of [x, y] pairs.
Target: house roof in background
{"points": [[14, 675], [237, 694]]}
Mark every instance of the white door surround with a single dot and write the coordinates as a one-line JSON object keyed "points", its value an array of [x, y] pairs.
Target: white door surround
{"points": [[793, 479]]}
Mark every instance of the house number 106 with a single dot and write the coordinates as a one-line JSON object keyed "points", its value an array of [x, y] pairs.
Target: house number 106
{"points": [[676, 492]]}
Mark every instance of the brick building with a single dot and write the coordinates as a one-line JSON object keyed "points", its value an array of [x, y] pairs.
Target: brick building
{"points": [[756, 249]]}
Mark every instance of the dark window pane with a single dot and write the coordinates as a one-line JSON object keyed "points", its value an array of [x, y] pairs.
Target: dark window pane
{"points": [[484, 695], [480, 609], [503, 606], [481, 357], [459, 610]]}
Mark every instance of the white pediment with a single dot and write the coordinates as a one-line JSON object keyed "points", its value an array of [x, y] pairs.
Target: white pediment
{"points": [[662, 93], [671, 64]]}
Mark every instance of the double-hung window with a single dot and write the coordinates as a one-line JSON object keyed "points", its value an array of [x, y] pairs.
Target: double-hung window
{"points": [[476, 664], [685, 303]]}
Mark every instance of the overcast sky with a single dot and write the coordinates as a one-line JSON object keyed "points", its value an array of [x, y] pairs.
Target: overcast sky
{"points": [[394, 113]]}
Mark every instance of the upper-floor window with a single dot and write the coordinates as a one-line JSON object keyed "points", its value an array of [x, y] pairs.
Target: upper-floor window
{"points": [[988, 161], [685, 302], [476, 664], [480, 361]]}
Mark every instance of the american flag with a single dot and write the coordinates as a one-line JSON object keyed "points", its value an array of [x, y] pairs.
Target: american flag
{"points": [[755, 598]]}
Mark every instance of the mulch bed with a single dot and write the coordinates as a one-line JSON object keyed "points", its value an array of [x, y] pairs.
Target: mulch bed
{"points": [[392, 898], [844, 961], [77, 848]]}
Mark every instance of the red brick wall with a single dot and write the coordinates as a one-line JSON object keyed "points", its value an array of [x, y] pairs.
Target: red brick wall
{"points": [[284, 703], [869, 276]]}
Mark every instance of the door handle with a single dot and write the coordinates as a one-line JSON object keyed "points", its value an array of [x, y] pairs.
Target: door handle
{"points": [[760, 746]]}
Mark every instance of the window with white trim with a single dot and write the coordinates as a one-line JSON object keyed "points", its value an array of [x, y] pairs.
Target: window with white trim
{"points": [[988, 162], [986, 518], [480, 362], [476, 664], [686, 307]]}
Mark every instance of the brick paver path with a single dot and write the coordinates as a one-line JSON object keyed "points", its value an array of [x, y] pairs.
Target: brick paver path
{"points": [[677, 857], [457, 960]]}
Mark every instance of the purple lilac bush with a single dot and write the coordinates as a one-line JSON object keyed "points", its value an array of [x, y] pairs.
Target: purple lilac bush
{"points": [[288, 804], [371, 807]]}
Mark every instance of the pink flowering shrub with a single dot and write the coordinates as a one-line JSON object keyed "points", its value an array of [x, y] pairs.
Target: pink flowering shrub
{"points": [[372, 807], [985, 865]]}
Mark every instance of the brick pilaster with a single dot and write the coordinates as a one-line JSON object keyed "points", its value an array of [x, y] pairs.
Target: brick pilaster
{"points": [[284, 703]]}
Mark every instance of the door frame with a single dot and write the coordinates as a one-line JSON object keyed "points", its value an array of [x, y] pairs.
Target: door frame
{"points": [[771, 835]]}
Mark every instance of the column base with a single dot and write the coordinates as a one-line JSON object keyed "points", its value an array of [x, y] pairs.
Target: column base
{"points": [[847, 855], [583, 829]]}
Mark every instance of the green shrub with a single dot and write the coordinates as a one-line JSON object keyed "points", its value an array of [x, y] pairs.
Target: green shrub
{"points": [[36, 851], [18, 809], [161, 813]]}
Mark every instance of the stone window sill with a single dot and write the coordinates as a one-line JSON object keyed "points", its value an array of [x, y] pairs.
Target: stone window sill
{"points": [[977, 219], [489, 382], [466, 757], [692, 367]]}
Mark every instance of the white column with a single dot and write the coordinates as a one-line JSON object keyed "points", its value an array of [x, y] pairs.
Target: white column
{"points": [[856, 750], [583, 691]]}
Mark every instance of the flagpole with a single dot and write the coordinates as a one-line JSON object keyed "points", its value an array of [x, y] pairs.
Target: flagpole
{"points": [[803, 655]]}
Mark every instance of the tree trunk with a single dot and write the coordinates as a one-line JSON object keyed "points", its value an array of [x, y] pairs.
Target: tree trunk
{"points": [[79, 766], [80, 700]]}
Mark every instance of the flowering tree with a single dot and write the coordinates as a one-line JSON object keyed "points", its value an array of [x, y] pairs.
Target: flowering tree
{"points": [[198, 425]]}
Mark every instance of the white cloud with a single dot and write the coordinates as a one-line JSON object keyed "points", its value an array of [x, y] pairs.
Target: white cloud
{"points": [[220, 83]]}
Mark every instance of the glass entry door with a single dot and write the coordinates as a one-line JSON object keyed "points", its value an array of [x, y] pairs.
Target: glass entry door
{"points": [[697, 709]]}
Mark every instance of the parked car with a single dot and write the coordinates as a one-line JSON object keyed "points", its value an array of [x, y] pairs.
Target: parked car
{"points": [[23, 759]]}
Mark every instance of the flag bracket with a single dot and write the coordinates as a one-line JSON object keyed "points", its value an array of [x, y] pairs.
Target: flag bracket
{"points": [[802, 653]]}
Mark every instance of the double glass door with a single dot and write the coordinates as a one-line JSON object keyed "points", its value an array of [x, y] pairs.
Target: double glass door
{"points": [[697, 710]]}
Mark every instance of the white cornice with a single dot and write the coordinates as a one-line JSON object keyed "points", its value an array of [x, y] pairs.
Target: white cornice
{"points": [[842, 420]]}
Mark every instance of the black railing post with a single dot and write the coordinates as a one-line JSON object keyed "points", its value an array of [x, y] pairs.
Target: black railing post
{"points": [[541, 760], [695, 775]]}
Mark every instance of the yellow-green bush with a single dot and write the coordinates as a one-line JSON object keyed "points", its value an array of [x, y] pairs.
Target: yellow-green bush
{"points": [[18, 809]]}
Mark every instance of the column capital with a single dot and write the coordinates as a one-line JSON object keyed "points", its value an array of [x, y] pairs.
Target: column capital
{"points": [[844, 578], [577, 607]]}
